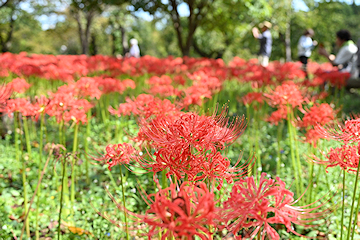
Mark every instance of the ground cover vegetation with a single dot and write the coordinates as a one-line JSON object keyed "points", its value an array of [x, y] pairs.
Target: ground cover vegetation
{"points": [[176, 148]]}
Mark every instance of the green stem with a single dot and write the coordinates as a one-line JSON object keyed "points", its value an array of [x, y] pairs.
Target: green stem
{"points": [[86, 146], [123, 197], [257, 146], [353, 202], [298, 161], [279, 137], [27, 136], [163, 179], [250, 138], [311, 177], [73, 168], [356, 217], [292, 152], [102, 109], [343, 207], [23, 173], [40, 162], [61, 196]]}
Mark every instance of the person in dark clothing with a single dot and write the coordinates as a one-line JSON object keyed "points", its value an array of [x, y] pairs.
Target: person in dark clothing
{"points": [[265, 42]]}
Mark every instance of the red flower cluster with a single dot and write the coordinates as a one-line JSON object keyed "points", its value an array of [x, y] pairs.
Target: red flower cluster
{"points": [[19, 85], [187, 145], [117, 154], [253, 97], [64, 107], [346, 157], [181, 213], [144, 106], [255, 207], [286, 94]]}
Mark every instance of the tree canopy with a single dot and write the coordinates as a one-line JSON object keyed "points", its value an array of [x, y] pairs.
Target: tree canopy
{"points": [[198, 28]]}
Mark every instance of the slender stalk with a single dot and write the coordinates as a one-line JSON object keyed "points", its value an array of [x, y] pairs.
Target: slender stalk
{"points": [[292, 152], [279, 137], [123, 197], [250, 138], [27, 136], [23, 171], [86, 146], [102, 109], [353, 202], [42, 118], [298, 161], [257, 140], [73, 168], [343, 206], [311, 166], [61, 196], [41, 174], [356, 218], [163, 179]]}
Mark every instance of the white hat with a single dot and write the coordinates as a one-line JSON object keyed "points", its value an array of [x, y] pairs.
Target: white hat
{"points": [[133, 41], [265, 24]]}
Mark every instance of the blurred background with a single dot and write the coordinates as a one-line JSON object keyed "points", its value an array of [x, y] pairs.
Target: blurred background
{"points": [[196, 28]]}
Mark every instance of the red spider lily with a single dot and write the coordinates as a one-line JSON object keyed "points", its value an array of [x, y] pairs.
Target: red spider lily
{"points": [[88, 87], [176, 212], [278, 115], [318, 114], [164, 90], [118, 154], [40, 105], [19, 85], [60, 103], [195, 95], [346, 157], [145, 108], [163, 80], [5, 93], [20, 105], [312, 136], [336, 78], [186, 145], [186, 212], [348, 132], [286, 94], [190, 129], [255, 207], [64, 107], [253, 97], [179, 80]]}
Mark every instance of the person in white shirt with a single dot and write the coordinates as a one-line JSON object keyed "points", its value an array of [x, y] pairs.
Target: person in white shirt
{"points": [[346, 58], [305, 46], [134, 49], [265, 39]]}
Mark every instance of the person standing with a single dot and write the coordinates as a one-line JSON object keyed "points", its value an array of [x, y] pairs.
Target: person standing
{"points": [[265, 42], [134, 48], [305, 46], [346, 58]]}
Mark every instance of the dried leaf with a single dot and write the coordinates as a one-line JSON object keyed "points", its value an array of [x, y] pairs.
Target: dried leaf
{"points": [[79, 231]]}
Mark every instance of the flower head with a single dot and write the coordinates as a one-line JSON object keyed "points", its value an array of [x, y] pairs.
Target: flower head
{"points": [[184, 212], [286, 94], [255, 207], [118, 154]]}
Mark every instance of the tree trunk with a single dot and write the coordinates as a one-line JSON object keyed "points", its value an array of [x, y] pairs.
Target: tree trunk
{"points": [[287, 43], [288, 34], [124, 41], [6, 43], [84, 34], [93, 46]]}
